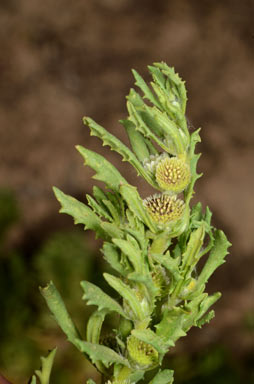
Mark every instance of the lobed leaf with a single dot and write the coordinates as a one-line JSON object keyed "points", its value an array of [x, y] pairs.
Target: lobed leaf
{"points": [[105, 171], [80, 212], [46, 367], [216, 257], [95, 296]]}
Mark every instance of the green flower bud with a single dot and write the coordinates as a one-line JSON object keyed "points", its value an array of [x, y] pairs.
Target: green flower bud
{"points": [[141, 354], [164, 208], [173, 174]]}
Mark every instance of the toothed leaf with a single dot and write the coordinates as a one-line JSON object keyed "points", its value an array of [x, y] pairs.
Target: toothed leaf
{"points": [[98, 352], [105, 171], [80, 212], [95, 296]]}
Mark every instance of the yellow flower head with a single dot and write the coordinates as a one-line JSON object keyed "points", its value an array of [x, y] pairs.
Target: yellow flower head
{"points": [[173, 174], [164, 208]]}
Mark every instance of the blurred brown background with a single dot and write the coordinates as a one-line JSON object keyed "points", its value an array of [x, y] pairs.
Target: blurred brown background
{"points": [[61, 60]]}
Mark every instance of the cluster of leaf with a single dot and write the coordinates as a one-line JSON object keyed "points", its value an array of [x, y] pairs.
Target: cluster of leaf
{"points": [[159, 293]]}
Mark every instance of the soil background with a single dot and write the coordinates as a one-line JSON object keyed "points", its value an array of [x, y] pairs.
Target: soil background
{"points": [[61, 60]]}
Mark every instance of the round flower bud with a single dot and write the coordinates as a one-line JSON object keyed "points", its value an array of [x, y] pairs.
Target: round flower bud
{"points": [[164, 208], [141, 354], [173, 174]]}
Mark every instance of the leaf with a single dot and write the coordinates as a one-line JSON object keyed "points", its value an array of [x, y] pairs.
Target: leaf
{"points": [[171, 326], [117, 146], [216, 257], [205, 319], [112, 256], [46, 366], [95, 296], [58, 309], [97, 208], [81, 213], [136, 117], [112, 230], [94, 324], [127, 293], [207, 303], [194, 139], [163, 377], [191, 256], [135, 204], [90, 381], [132, 253], [149, 337], [113, 211], [148, 94], [105, 171], [170, 263], [98, 352], [136, 376], [137, 141], [93, 331]]}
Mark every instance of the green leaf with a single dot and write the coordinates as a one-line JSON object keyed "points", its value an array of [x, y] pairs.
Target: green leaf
{"points": [[98, 352], [171, 326], [97, 208], [191, 255], [127, 293], [170, 263], [176, 80], [148, 94], [137, 141], [81, 213], [95, 296], [216, 257], [46, 366], [194, 139], [135, 204], [112, 230], [112, 256], [136, 376], [131, 252], [94, 324], [163, 377], [105, 171], [113, 211], [33, 381], [205, 319], [149, 337], [90, 381], [58, 309], [207, 303], [93, 332], [117, 146], [136, 117]]}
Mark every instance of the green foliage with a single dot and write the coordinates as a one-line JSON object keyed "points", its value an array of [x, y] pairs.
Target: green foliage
{"points": [[46, 366], [159, 294]]}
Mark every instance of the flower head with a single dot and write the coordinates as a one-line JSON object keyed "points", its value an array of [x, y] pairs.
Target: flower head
{"points": [[142, 355], [173, 174], [164, 208]]}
